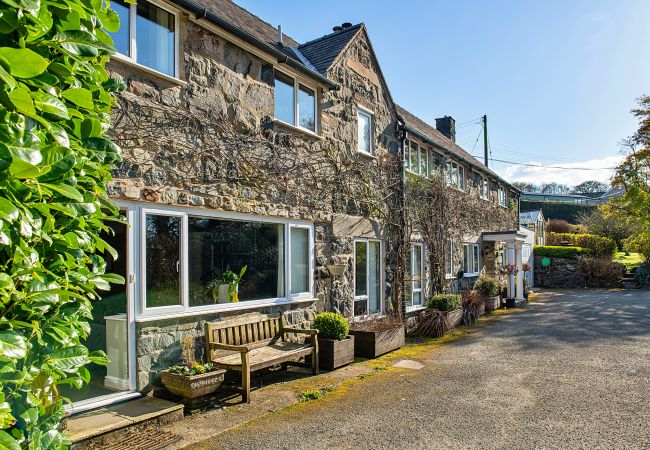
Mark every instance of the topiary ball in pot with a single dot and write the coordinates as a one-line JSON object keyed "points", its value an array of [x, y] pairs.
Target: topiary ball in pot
{"points": [[331, 326]]}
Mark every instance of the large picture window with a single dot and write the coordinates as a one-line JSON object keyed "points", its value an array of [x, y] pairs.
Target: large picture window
{"points": [[295, 103], [367, 278], [194, 261], [147, 35]]}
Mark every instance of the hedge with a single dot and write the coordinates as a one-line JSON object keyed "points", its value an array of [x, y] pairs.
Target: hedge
{"points": [[561, 211], [445, 302], [552, 251], [599, 245]]}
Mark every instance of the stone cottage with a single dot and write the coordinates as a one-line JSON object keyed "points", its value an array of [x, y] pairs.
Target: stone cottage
{"points": [[248, 153]]}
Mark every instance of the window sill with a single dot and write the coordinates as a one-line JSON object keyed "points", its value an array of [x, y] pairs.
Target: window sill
{"points": [[240, 306], [416, 308], [366, 154], [305, 131], [128, 62]]}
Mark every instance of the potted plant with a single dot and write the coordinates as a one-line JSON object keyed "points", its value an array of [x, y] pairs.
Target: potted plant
{"points": [[373, 338], [510, 269], [526, 268], [443, 313], [191, 379], [488, 287], [335, 346], [226, 286], [450, 305]]}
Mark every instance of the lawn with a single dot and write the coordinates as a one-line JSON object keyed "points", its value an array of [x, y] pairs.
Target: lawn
{"points": [[630, 259]]}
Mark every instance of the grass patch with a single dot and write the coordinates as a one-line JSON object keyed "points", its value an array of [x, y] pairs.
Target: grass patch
{"points": [[315, 394], [630, 259]]}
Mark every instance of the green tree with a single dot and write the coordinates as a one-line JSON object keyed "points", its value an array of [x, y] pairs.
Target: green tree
{"points": [[633, 175], [587, 187], [55, 161], [611, 221]]}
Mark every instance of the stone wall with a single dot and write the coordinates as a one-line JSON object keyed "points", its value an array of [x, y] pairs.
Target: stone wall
{"points": [[562, 273]]}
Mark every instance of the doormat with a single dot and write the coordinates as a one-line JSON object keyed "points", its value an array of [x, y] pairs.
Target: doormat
{"points": [[151, 439]]}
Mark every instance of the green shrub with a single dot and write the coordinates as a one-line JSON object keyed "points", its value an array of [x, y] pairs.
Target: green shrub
{"points": [[331, 326], [599, 245], [488, 286], [642, 276], [445, 302], [560, 252], [601, 272]]}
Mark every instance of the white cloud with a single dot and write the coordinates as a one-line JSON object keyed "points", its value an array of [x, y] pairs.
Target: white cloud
{"points": [[567, 173]]}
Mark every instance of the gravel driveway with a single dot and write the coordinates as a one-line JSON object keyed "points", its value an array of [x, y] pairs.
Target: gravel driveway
{"points": [[570, 371]]}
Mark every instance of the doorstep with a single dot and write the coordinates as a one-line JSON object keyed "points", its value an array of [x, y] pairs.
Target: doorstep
{"points": [[108, 419]]}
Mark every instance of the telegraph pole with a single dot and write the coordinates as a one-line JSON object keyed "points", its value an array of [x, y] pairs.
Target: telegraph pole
{"points": [[485, 140]]}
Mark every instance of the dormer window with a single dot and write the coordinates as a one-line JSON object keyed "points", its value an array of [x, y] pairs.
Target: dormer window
{"points": [[295, 103], [147, 36]]}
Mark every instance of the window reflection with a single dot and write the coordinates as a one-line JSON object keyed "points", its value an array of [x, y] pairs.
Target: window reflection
{"points": [[155, 30]]}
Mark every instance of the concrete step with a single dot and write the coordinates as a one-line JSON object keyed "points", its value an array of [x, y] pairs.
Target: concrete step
{"points": [[105, 427]]}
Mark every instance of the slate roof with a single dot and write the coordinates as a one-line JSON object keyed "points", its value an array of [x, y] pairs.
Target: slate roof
{"points": [[323, 51], [417, 125], [246, 21]]}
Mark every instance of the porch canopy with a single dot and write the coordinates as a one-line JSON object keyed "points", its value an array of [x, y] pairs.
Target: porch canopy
{"points": [[514, 241]]}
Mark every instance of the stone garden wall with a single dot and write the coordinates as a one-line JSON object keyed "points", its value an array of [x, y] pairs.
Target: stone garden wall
{"points": [[562, 273]]}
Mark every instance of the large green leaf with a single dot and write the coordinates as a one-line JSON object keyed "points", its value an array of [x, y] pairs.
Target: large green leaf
{"points": [[80, 43], [69, 358], [23, 62], [66, 190], [22, 101], [8, 210], [50, 104], [12, 344], [7, 442], [79, 96]]}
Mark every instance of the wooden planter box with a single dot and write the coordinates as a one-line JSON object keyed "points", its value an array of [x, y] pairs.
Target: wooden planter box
{"points": [[333, 353], [194, 386], [370, 344], [491, 303], [455, 317]]}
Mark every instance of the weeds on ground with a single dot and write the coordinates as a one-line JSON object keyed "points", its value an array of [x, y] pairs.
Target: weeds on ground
{"points": [[315, 394]]}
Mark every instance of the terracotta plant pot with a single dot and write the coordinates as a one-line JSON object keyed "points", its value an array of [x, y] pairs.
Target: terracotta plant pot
{"points": [[370, 344], [333, 353], [194, 386], [491, 303]]}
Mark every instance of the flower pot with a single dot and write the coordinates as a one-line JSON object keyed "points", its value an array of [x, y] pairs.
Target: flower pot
{"points": [[222, 296], [370, 343], [455, 317], [511, 302], [193, 386], [333, 353], [491, 303]]}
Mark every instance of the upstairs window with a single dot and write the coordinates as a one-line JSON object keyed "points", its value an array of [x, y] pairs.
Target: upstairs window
{"points": [[295, 103], [455, 175], [147, 35], [364, 135], [416, 158], [484, 188], [503, 198]]}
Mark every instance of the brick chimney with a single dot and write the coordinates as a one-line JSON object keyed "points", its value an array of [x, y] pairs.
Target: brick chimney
{"points": [[447, 126]]}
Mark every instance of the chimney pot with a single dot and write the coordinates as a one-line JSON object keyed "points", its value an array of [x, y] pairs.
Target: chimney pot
{"points": [[447, 126], [280, 43], [337, 28], [346, 25]]}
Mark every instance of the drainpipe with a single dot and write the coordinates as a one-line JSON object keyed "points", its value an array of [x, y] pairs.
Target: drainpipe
{"points": [[402, 135]]}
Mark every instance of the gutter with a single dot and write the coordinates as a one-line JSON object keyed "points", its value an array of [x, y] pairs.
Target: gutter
{"points": [[203, 13], [462, 158]]}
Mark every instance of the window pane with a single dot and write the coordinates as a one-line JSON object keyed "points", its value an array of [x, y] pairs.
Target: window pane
{"points": [[417, 267], [424, 162], [155, 37], [374, 272], [121, 37], [476, 259], [461, 178], [415, 163], [406, 155], [217, 247], [360, 267], [299, 260], [364, 135], [465, 258], [163, 249], [306, 107], [284, 103]]}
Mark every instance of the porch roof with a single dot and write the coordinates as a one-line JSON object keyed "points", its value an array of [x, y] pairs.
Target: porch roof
{"points": [[504, 236]]}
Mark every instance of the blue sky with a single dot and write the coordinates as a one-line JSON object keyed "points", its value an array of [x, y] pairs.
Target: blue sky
{"points": [[557, 79]]}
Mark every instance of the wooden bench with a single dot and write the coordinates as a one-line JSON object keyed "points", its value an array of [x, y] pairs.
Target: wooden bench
{"points": [[255, 342]]}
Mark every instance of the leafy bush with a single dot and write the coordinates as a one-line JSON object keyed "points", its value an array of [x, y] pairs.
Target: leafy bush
{"points": [[601, 272], [642, 276], [472, 307], [560, 252], [445, 302], [431, 324], [487, 286], [331, 326], [55, 161], [599, 245], [558, 226]]}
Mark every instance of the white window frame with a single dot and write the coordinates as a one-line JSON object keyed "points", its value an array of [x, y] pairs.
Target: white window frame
{"points": [[184, 309], [422, 155], [484, 183], [422, 275], [455, 176], [296, 104], [361, 111], [381, 279], [133, 48], [503, 198], [472, 253]]}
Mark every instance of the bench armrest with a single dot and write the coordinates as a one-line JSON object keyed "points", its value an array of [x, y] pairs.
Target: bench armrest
{"points": [[308, 331], [234, 348]]}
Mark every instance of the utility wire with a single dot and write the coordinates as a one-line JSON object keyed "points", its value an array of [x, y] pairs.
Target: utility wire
{"points": [[547, 166], [477, 138]]}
